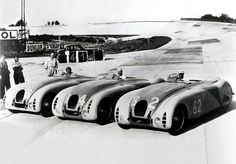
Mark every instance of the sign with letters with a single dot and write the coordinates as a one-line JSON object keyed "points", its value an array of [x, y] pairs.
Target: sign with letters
{"points": [[8, 34], [23, 34]]}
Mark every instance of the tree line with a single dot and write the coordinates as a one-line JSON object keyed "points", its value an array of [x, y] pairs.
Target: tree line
{"points": [[22, 23], [18, 23], [210, 17], [221, 18], [52, 23]]}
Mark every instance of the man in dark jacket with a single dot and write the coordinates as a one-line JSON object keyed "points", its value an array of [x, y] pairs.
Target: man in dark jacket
{"points": [[18, 74], [5, 78]]}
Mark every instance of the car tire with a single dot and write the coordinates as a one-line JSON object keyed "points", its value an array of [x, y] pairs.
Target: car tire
{"points": [[179, 120], [105, 111], [13, 111], [62, 118], [46, 109], [125, 127]]}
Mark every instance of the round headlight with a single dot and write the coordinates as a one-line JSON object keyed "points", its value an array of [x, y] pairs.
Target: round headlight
{"points": [[157, 120], [85, 113], [30, 105]]}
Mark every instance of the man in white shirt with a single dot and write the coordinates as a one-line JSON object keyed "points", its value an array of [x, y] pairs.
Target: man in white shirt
{"points": [[51, 65]]}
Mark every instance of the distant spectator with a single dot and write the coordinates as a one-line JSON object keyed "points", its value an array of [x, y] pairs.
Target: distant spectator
{"points": [[4, 75], [51, 65], [18, 74], [68, 73]]}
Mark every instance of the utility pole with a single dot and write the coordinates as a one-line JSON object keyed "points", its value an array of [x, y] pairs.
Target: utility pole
{"points": [[23, 32]]}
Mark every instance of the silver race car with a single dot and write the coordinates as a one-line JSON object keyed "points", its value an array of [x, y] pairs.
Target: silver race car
{"points": [[170, 104]]}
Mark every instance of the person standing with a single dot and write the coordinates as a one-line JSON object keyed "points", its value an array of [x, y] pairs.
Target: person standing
{"points": [[51, 65], [5, 78], [18, 74]]}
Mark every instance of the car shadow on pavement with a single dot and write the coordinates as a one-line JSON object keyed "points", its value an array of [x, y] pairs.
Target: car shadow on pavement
{"points": [[210, 116], [87, 121], [192, 124]]}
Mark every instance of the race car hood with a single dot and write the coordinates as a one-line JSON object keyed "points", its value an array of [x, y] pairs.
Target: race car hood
{"points": [[28, 89], [37, 86], [91, 87], [160, 90], [148, 98]]}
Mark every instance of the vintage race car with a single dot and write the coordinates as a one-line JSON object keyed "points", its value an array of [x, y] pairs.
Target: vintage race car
{"points": [[169, 105], [95, 100], [37, 97]]}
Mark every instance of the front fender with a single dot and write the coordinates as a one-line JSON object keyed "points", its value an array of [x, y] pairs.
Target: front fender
{"points": [[122, 109], [59, 100], [10, 96], [169, 105], [165, 108], [35, 101]]}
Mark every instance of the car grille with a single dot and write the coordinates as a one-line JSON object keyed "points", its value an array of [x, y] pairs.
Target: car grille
{"points": [[140, 108], [20, 96], [72, 102]]}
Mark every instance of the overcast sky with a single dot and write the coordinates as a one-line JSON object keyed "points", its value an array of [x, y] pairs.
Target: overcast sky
{"points": [[75, 12]]}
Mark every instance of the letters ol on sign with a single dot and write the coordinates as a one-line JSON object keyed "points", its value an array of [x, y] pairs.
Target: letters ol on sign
{"points": [[8, 35]]}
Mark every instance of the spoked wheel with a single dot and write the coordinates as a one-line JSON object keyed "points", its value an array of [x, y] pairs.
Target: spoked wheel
{"points": [[105, 111], [46, 109], [178, 121]]}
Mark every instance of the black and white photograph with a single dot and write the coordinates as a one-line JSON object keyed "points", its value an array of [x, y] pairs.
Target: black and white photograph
{"points": [[117, 81]]}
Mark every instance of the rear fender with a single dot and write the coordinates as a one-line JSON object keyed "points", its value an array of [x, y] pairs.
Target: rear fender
{"points": [[226, 92]]}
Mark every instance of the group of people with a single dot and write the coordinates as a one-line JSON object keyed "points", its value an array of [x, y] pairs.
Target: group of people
{"points": [[51, 66], [5, 74]]}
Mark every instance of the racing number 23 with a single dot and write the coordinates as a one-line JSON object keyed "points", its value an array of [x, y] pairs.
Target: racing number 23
{"points": [[152, 105], [197, 105]]}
